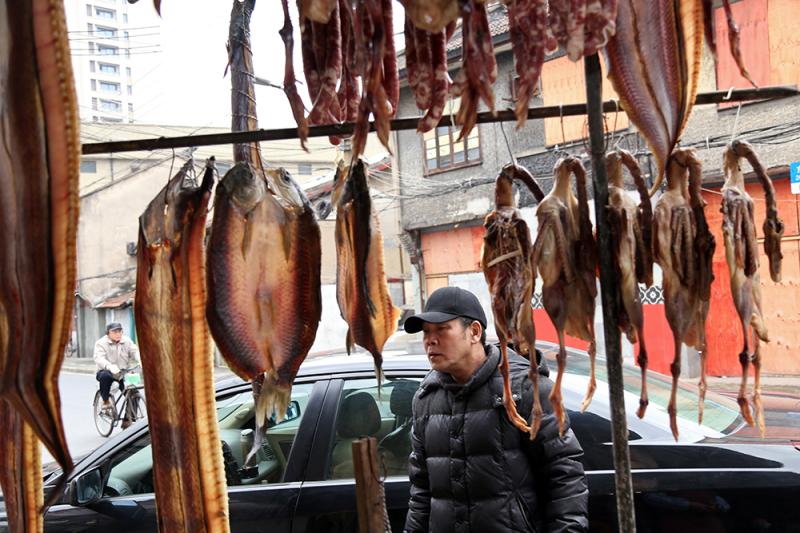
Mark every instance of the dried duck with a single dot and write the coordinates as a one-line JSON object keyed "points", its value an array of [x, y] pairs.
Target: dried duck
{"points": [[507, 263], [566, 258], [263, 257], [39, 214], [741, 254], [631, 243], [361, 288], [188, 475], [684, 247]]}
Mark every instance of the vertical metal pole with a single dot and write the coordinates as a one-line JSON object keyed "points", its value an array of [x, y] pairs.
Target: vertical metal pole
{"points": [[608, 288]]}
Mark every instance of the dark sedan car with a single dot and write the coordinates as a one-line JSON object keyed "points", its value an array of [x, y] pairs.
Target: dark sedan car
{"points": [[709, 481]]}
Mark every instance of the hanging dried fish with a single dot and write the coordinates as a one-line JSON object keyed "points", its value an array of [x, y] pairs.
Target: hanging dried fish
{"points": [[633, 262], [684, 247], [566, 258], [361, 289], [188, 475], [263, 257], [507, 264], [38, 175]]}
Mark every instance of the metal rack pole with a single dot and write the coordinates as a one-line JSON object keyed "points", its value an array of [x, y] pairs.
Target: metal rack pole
{"points": [[609, 287], [507, 115]]}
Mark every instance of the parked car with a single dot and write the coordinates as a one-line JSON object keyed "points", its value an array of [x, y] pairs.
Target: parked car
{"points": [[304, 477]]}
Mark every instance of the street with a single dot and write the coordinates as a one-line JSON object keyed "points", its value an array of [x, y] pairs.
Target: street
{"points": [[77, 394]]}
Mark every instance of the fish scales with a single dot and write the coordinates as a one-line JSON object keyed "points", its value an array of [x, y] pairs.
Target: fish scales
{"points": [[188, 469]]}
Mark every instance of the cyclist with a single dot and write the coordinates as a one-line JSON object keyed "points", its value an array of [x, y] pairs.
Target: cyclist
{"points": [[113, 354]]}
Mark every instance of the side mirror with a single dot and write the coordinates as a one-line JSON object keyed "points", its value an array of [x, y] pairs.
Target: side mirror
{"points": [[292, 411], [86, 489]]}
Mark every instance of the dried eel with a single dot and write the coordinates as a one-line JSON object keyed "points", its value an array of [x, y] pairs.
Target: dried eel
{"points": [[188, 472], [361, 288], [38, 174]]}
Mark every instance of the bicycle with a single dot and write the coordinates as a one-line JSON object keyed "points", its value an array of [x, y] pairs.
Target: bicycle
{"points": [[127, 406]]}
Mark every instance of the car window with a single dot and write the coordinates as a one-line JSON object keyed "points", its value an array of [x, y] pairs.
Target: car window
{"points": [[366, 411], [132, 468]]}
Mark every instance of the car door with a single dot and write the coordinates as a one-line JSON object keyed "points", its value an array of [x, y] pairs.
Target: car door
{"points": [[355, 408], [261, 498]]}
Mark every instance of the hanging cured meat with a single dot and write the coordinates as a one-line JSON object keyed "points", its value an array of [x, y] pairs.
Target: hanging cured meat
{"points": [[263, 257], [188, 473], [582, 27], [527, 21], [426, 70], [566, 258], [473, 83], [507, 263], [289, 80], [39, 214], [683, 246], [361, 289], [741, 254], [630, 225], [431, 15]]}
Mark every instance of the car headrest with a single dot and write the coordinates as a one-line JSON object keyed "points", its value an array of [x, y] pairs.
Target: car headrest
{"points": [[402, 394], [358, 416]]}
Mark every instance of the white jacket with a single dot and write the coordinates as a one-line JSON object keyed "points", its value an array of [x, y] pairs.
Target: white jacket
{"points": [[124, 354]]}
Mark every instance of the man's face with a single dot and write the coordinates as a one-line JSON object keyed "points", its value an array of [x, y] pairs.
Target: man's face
{"points": [[115, 335], [449, 344]]}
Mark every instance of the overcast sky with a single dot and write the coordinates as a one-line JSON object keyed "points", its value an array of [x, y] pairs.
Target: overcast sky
{"points": [[183, 84]]}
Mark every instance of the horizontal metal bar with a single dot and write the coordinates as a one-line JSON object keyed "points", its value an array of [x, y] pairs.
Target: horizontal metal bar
{"points": [[507, 115]]}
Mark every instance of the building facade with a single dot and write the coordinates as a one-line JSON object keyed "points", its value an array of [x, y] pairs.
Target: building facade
{"points": [[445, 198]]}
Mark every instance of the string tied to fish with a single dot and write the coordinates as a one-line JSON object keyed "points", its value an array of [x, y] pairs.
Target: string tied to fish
{"points": [[505, 257]]}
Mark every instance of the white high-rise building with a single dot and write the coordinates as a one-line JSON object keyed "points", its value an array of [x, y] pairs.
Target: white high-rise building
{"points": [[109, 40]]}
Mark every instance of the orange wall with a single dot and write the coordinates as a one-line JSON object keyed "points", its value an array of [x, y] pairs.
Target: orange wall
{"points": [[563, 83], [751, 15], [784, 42], [449, 252]]}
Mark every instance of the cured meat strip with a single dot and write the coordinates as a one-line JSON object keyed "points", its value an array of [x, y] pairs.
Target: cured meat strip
{"points": [[441, 84], [734, 42], [599, 25], [328, 50], [528, 28], [431, 15], [391, 77], [188, 471], [567, 22], [289, 80], [683, 246], [316, 10], [507, 264], [631, 254], [361, 288], [39, 173], [263, 258], [565, 257]]}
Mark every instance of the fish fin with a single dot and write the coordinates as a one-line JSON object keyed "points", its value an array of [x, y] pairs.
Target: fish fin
{"points": [[349, 342], [247, 238], [272, 399]]}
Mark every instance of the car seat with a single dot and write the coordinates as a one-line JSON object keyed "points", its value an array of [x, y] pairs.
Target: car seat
{"points": [[358, 417], [396, 446]]}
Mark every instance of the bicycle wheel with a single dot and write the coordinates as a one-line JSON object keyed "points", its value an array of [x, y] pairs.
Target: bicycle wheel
{"points": [[104, 419]]}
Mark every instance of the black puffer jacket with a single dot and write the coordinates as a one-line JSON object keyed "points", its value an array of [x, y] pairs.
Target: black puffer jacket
{"points": [[472, 470]]}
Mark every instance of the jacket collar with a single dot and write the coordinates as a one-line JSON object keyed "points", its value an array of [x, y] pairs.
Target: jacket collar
{"points": [[436, 379]]}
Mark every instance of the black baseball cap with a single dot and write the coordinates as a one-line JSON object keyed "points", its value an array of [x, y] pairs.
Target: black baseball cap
{"points": [[113, 326], [446, 304]]}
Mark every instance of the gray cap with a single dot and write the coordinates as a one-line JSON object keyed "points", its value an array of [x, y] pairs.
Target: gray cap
{"points": [[112, 326]]}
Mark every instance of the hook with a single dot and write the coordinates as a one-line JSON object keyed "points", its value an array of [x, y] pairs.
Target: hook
{"points": [[730, 93], [736, 122], [508, 145]]}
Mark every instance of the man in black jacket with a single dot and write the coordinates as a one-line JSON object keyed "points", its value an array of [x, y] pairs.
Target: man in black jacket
{"points": [[471, 470]]}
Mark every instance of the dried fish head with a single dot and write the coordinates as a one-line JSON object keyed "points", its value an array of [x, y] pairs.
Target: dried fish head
{"points": [[244, 186], [287, 188]]}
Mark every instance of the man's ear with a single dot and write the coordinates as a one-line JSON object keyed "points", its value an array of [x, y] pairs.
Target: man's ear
{"points": [[476, 330]]}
